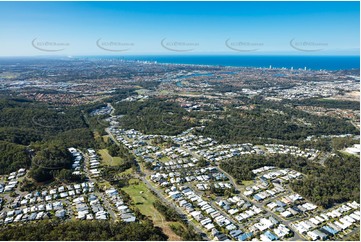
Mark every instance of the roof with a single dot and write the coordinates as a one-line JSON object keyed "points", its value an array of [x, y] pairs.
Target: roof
{"points": [[270, 235], [320, 234], [245, 236]]}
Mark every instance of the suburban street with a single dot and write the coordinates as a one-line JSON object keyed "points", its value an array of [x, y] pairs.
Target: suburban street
{"points": [[159, 194], [296, 237]]}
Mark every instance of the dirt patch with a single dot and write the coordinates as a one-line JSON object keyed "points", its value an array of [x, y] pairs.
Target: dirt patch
{"points": [[349, 96], [160, 222]]}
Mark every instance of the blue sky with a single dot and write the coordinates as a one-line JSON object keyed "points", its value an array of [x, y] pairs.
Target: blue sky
{"points": [[73, 28]]}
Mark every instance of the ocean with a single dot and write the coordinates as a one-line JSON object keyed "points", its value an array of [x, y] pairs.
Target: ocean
{"points": [[310, 62]]}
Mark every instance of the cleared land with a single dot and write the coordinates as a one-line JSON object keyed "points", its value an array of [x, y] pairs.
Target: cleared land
{"points": [[108, 159], [349, 96]]}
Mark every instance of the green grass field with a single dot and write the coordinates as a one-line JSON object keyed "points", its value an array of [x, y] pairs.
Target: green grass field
{"points": [[141, 91], [108, 159], [126, 172], [141, 196], [164, 159], [143, 199], [248, 183], [164, 92], [105, 138]]}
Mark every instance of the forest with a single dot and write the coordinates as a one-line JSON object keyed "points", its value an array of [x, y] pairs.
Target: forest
{"points": [[336, 181], [328, 103], [256, 121], [263, 121], [35, 121], [48, 230], [12, 157], [36, 136], [154, 116]]}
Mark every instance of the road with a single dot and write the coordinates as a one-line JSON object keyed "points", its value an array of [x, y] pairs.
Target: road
{"points": [[176, 208], [296, 237], [160, 195], [324, 158], [101, 195]]}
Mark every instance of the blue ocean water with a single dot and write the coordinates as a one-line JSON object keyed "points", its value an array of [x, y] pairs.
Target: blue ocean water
{"points": [[310, 62]]}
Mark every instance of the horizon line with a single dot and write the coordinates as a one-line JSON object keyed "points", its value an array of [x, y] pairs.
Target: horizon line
{"points": [[183, 54]]}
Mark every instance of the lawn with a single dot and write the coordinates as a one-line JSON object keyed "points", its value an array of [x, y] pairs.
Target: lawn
{"points": [[143, 199], [141, 91], [104, 185], [108, 159], [141, 196], [248, 183], [126, 172], [105, 138], [164, 159], [164, 92], [96, 134]]}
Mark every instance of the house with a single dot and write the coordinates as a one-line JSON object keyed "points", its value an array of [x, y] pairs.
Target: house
{"points": [[18, 217], [41, 207], [60, 213], [286, 214], [270, 235], [101, 215], [197, 215], [235, 233], [130, 219], [281, 231], [25, 210], [39, 215], [231, 227], [209, 226], [33, 216], [49, 207], [334, 226], [8, 220], [111, 192], [355, 216], [57, 205], [320, 234], [233, 211], [24, 202], [25, 218], [329, 230], [313, 235], [245, 236], [63, 194], [314, 221], [220, 237], [82, 214], [205, 221], [10, 213], [257, 197]]}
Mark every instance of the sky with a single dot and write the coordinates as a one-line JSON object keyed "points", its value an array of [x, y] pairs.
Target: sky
{"points": [[178, 28]]}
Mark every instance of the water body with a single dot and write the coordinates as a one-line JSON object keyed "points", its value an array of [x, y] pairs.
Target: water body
{"points": [[310, 62], [195, 75]]}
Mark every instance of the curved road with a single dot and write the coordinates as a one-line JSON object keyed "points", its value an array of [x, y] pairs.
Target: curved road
{"points": [[296, 236], [160, 195]]}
